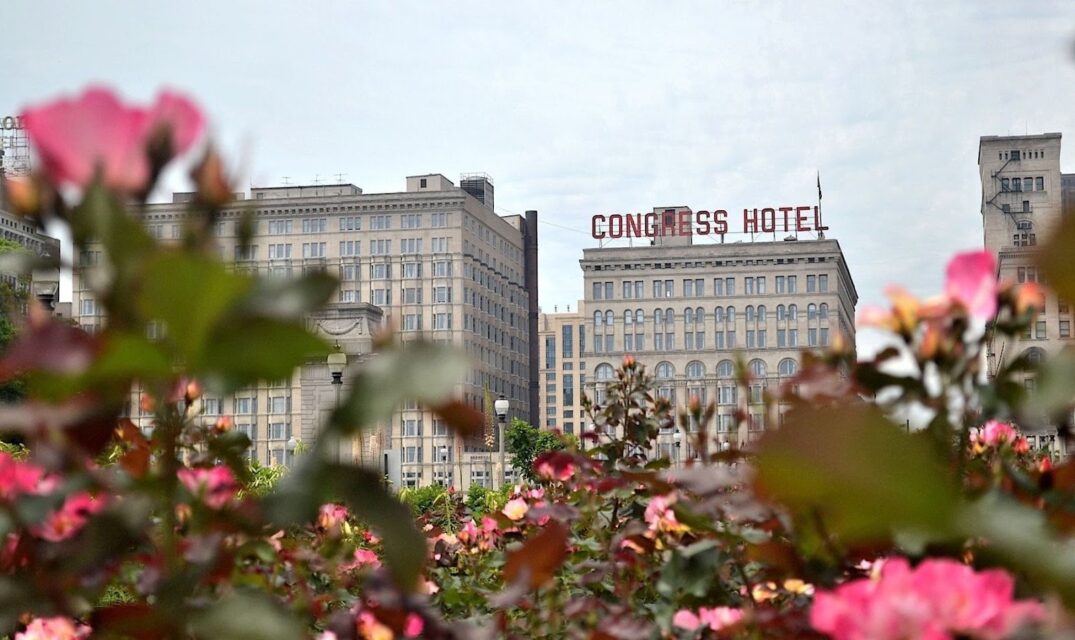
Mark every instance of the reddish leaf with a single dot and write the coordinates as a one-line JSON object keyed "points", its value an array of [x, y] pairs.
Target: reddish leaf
{"points": [[537, 560], [461, 418], [50, 346]]}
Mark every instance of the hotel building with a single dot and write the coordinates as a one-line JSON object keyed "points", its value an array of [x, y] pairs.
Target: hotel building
{"points": [[687, 312]]}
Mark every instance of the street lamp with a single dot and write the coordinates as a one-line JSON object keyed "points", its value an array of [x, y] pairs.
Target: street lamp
{"points": [[337, 362], [678, 440], [291, 446], [501, 407], [444, 466]]}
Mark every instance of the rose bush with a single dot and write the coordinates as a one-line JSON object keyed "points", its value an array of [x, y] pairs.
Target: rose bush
{"points": [[840, 523]]}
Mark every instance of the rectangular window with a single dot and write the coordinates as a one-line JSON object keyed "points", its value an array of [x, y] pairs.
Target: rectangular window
{"points": [[381, 297], [279, 251], [1065, 328], [278, 404], [658, 288], [350, 223], [793, 284], [412, 270], [412, 322], [780, 284], [688, 288], [279, 227], [811, 284], [410, 221], [748, 286], [278, 431], [442, 269], [438, 220], [439, 245], [729, 286], [608, 291], [245, 405], [412, 427], [313, 249], [314, 225], [246, 252], [381, 271], [781, 338], [718, 287], [442, 321], [88, 307], [211, 406], [442, 295], [412, 295], [380, 222], [410, 245], [569, 390], [550, 352], [823, 283], [380, 247], [598, 290], [628, 289], [348, 295], [1039, 330], [761, 285], [568, 341], [1039, 183], [349, 248]]}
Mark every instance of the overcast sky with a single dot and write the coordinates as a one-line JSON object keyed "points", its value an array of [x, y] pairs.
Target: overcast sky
{"points": [[597, 107]]}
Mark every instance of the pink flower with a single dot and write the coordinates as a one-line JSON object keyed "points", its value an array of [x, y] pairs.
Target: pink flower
{"points": [[215, 486], [685, 619], [997, 434], [938, 599], [972, 281], [720, 617], [70, 518], [95, 132], [362, 558], [331, 516], [660, 517], [515, 509], [413, 626], [58, 628], [18, 477]]}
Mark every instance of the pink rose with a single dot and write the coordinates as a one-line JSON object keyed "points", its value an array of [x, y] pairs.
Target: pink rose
{"points": [[362, 558], [77, 138], [215, 487], [70, 518], [18, 477], [58, 628], [515, 509], [331, 517], [972, 281]]}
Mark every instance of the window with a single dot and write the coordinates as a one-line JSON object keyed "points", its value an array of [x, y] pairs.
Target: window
{"points": [[410, 246], [410, 221], [412, 454], [1039, 183], [350, 223], [381, 297], [380, 247], [780, 287], [380, 222], [412, 322], [787, 367], [381, 271], [313, 249], [568, 340], [279, 251], [412, 295], [1065, 328], [550, 351], [88, 307], [438, 220], [442, 321], [245, 405], [279, 227], [569, 390], [349, 248], [1039, 330], [442, 295], [314, 225], [211, 406], [442, 269], [793, 284], [278, 431], [748, 286], [823, 283], [603, 372], [412, 427], [278, 404], [439, 245]]}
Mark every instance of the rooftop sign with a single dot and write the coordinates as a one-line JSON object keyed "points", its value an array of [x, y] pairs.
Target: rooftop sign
{"points": [[7, 123], [684, 222]]}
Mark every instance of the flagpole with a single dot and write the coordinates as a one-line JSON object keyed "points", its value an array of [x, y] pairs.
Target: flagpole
{"points": [[820, 233]]}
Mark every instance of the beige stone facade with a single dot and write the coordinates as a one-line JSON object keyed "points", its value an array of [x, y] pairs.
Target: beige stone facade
{"points": [[689, 311], [435, 260], [1023, 199]]}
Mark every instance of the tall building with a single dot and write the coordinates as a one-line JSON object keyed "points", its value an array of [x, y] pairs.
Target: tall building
{"points": [[434, 260], [688, 311], [44, 283], [562, 339], [1024, 196]]}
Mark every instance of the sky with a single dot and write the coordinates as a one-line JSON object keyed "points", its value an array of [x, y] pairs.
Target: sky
{"points": [[576, 109]]}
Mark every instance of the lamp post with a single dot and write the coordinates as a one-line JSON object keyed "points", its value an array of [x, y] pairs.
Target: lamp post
{"points": [[501, 407], [292, 444], [337, 362], [444, 466], [677, 439]]}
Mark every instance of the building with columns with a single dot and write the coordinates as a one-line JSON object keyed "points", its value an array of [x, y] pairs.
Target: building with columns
{"points": [[1024, 196], [688, 311], [433, 260]]}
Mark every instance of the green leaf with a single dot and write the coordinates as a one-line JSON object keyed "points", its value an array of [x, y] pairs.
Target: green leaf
{"points": [[245, 351], [861, 472], [189, 294], [131, 356], [1055, 259], [418, 370], [246, 615], [291, 298]]}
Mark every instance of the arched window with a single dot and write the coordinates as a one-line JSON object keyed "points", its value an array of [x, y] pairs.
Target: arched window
{"points": [[725, 369], [640, 317], [781, 313], [788, 367], [664, 371], [823, 311], [604, 372], [628, 317], [811, 312], [731, 315], [793, 312], [598, 318], [761, 313], [688, 315], [608, 318], [699, 315], [670, 317], [718, 314], [750, 314], [658, 317], [757, 368], [1035, 355], [695, 370]]}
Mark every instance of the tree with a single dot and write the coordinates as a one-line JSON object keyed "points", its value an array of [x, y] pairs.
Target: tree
{"points": [[525, 443], [13, 296]]}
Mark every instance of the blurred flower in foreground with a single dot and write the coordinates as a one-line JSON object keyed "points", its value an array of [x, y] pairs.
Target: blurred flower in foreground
{"points": [[214, 486], [58, 628], [95, 132], [997, 434], [716, 618], [971, 280], [939, 598]]}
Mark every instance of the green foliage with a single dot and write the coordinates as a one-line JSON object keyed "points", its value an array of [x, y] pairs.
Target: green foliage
{"points": [[525, 443], [483, 500]]}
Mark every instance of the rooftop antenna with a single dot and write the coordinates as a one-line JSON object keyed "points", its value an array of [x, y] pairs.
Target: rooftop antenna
{"points": [[317, 178], [287, 180], [340, 177]]}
